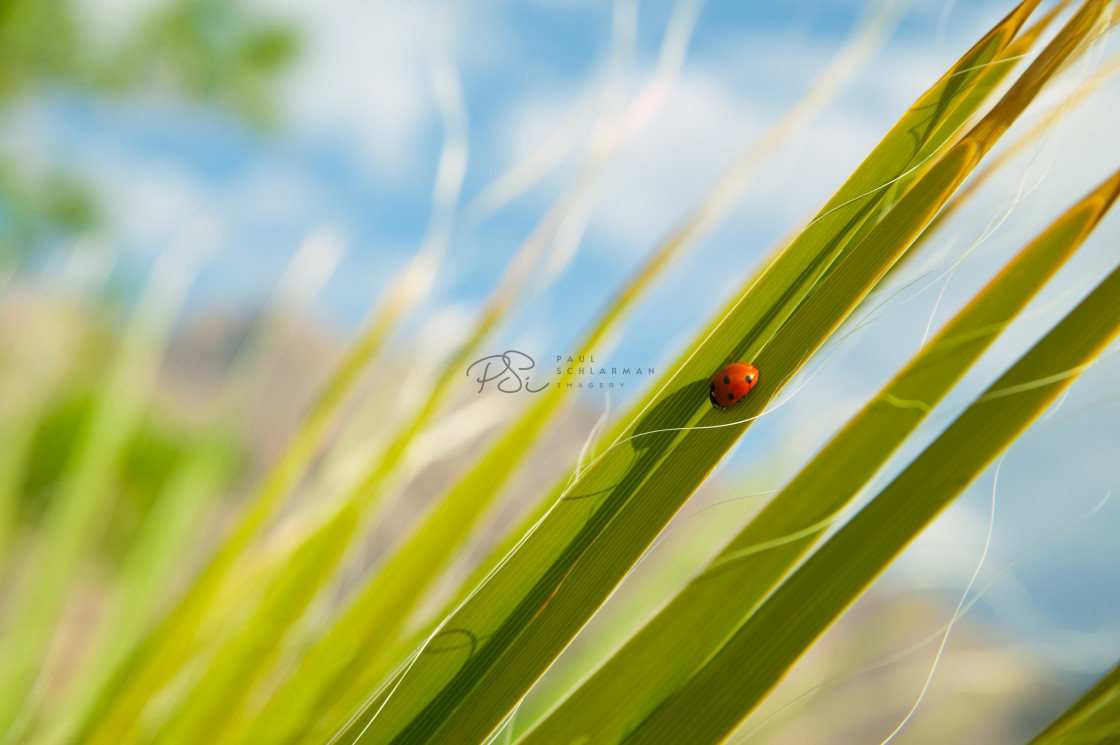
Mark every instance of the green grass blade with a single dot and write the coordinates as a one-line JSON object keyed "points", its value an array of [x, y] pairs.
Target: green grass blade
{"points": [[486, 654], [713, 605], [534, 604], [382, 608], [116, 708], [1092, 718], [77, 512], [733, 681], [155, 555], [28, 386], [991, 77], [170, 644], [204, 712]]}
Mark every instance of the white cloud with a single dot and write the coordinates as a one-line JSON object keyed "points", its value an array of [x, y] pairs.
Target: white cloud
{"points": [[150, 202], [364, 76], [673, 162]]}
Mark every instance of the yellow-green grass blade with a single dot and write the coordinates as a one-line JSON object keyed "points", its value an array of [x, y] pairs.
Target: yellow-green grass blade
{"points": [[516, 623], [170, 645], [378, 478], [714, 604], [23, 403], [992, 75], [355, 647], [205, 710], [154, 558], [78, 509], [733, 681], [159, 653], [360, 639], [362, 498], [29, 385], [999, 161], [113, 713], [990, 78], [957, 111], [162, 652], [162, 538], [483, 658], [115, 710], [365, 631], [25, 393], [1093, 718], [365, 495]]}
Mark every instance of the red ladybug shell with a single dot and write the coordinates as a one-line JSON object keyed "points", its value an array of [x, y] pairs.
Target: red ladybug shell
{"points": [[731, 383]]}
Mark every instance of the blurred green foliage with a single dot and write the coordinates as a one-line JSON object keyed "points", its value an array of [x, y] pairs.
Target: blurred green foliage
{"points": [[209, 52], [155, 450]]}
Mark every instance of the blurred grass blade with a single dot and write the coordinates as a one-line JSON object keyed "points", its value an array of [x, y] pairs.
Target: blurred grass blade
{"points": [[77, 511], [734, 680], [116, 707], [1093, 718], [165, 533], [162, 538], [171, 644], [383, 606], [28, 387], [713, 605], [204, 711], [471, 673], [377, 479]]}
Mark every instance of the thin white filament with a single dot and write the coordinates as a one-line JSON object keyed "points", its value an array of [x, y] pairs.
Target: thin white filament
{"points": [[956, 611]]}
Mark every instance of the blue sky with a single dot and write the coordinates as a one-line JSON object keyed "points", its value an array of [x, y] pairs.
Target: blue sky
{"points": [[358, 149]]}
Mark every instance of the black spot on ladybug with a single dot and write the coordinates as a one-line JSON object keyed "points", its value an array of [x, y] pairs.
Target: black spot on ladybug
{"points": [[726, 379], [748, 378], [730, 395]]}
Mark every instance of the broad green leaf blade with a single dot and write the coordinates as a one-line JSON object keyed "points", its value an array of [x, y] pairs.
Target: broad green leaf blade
{"points": [[991, 78], [171, 643], [641, 674], [512, 628], [1093, 718], [354, 651], [734, 680], [959, 105], [471, 673]]}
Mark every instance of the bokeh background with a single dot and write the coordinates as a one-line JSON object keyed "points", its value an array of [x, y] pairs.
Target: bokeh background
{"points": [[283, 162]]}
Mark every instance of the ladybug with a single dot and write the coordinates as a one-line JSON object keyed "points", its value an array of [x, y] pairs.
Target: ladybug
{"points": [[732, 383]]}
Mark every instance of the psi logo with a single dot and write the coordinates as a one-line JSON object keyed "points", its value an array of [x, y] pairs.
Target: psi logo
{"points": [[507, 371]]}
